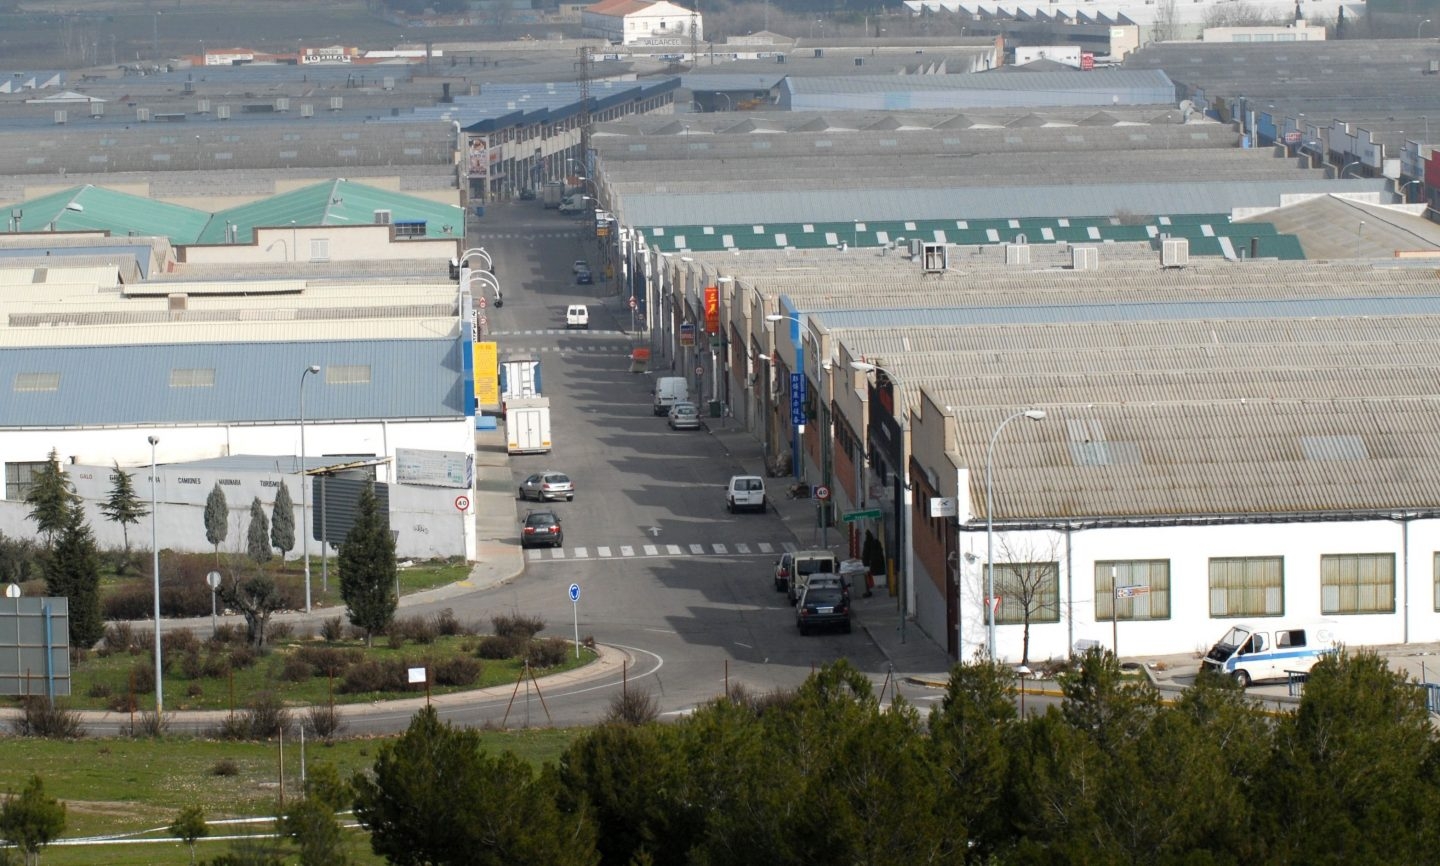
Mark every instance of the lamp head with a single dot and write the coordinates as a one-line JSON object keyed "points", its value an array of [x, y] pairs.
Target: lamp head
{"points": [[775, 317], [313, 368], [863, 366], [1035, 414], [154, 440]]}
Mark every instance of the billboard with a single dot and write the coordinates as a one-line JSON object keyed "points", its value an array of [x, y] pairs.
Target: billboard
{"points": [[435, 468], [34, 646], [480, 157]]}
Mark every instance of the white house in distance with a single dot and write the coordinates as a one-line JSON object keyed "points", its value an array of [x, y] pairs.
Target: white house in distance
{"points": [[637, 22]]}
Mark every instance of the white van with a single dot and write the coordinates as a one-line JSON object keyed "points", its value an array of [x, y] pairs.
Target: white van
{"points": [[670, 390], [1251, 653], [577, 316]]}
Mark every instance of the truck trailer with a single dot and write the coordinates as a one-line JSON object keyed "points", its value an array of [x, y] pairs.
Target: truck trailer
{"points": [[527, 425]]}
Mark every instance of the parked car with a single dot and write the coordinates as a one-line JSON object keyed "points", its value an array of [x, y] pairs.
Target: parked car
{"points": [[544, 486], [527, 194], [542, 529], [804, 563], [577, 316], [745, 491], [684, 416], [580, 265], [585, 278], [822, 607]]}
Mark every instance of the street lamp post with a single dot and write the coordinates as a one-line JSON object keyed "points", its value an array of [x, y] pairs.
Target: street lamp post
{"points": [[1033, 415], [907, 546], [1348, 166], [1420, 26], [304, 485], [155, 572]]}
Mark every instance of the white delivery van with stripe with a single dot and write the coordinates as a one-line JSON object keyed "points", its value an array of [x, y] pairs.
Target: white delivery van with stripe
{"points": [[1252, 653]]}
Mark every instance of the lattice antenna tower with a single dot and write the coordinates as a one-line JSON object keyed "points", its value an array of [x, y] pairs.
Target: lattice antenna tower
{"points": [[694, 38], [586, 68]]}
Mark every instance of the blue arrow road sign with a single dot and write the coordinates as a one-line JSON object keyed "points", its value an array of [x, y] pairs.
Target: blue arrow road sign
{"points": [[574, 592]]}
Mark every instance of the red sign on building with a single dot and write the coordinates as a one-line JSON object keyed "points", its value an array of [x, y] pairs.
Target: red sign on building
{"points": [[1087, 61], [712, 309]]}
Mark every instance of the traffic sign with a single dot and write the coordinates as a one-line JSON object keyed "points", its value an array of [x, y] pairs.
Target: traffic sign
{"points": [[852, 516], [575, 592], [462, 503], [484, 321], [699, 371], [480, 302], [822, 492], [1131, 591]]}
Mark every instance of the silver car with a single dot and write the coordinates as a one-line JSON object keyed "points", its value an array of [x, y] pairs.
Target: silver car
{"points": [[684, 416], [553, 486]]}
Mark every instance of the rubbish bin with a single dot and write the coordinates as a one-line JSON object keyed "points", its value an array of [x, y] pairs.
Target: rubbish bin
{"points": [[717, 409], [479, 210]]}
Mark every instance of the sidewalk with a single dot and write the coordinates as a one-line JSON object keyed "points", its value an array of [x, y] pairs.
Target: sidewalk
{"points": [[911, 653]]}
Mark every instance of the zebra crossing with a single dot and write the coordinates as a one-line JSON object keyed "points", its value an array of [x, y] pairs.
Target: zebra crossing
{"points": [[657, 551], [562, 234], [558, 332]]}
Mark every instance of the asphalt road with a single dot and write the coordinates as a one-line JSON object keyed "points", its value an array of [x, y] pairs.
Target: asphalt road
{"points": [[691, 621]]}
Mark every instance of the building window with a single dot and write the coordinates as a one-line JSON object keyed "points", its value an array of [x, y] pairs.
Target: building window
{"points": [[1357, 583], [1247, 586], [319, 249], [1027, 587], [347, 374], [20, 477], [1148, 598], [37, 382], [199, 377]]}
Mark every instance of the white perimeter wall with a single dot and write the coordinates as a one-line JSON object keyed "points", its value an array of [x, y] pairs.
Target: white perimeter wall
{"points": [[425, 517], [1189, 550]]}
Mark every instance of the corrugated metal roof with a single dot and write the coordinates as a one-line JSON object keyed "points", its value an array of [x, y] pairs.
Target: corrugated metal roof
{"points": [[92, 208], [339, 202], [120, 385], [281, 327], [942, 200], [1204, 458]]}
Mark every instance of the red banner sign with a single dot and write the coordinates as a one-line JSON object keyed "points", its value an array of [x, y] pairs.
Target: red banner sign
{"points": [[712, 309]]}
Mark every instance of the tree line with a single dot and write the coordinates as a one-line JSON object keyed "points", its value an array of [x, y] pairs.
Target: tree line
{"points": [[70, 558], [828, 774]]}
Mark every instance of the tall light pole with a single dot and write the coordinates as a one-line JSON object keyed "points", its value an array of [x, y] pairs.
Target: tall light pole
{"points": [[1033, 415], [304, 485], [155, 572], [1420, 26], [908, 544]]}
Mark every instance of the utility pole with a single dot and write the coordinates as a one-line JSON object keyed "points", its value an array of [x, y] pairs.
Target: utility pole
{"points": [[585, 70]]}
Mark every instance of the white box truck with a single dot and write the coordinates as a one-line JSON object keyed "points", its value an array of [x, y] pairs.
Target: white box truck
{"points": [[527, 425]]}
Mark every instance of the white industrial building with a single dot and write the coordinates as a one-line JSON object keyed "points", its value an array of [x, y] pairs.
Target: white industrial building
{"points": [[642, 22], [219, 370]]}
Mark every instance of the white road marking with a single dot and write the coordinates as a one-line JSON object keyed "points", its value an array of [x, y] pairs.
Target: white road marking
{"points": [[627, 550], [557, 553], [719, 549], [766, 547], [697, 549], [742, 548], [582, 553], [673, 549], [602, 551], [651, 550]]}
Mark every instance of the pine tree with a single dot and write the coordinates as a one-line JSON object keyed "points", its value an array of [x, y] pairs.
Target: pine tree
{"points": [[217, 519], [282, 521], [31, 820], [123, 505], [72, 570], [257, 542], [367, 568], [50, 498]]}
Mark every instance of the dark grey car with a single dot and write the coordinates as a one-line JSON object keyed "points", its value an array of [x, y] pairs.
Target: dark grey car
{"points": [[823, 607]]}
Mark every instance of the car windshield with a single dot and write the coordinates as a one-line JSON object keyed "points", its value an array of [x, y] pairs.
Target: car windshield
{"points": [[557, 479], [749, 484], [822, 596], [685, 409], [541, 520], [816, 566]]}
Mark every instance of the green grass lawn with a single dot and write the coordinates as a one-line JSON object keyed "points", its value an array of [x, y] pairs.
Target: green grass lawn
{"points": [[120, 786]]}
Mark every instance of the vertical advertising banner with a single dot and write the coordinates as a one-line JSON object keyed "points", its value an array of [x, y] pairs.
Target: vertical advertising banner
{"points": [[479, 163], [487, 374], [712, 309]]}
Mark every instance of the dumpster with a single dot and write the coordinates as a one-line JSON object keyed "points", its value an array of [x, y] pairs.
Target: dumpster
{"points": [[717, 409], [479, 210]]}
